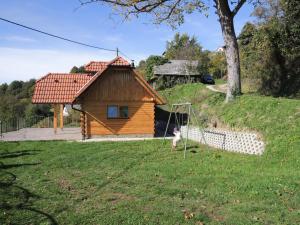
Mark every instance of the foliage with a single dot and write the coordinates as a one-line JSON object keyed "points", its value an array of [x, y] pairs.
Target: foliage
{"points": [[182, 47], [141, 68], [147, 66], [15, 101], [76, 69], [270, 50], [171, 12], [185, 47], [217, 64]]}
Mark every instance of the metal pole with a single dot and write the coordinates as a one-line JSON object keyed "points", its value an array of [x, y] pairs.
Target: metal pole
{"points": [[168, 122], [187, 130], [202, 134]]}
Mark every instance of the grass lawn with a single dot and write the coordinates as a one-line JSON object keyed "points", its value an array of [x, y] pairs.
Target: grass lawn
{"points": [[143, 183]]}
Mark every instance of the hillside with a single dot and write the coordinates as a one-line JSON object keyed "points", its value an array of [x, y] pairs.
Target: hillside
{"points": [[277, 119]]}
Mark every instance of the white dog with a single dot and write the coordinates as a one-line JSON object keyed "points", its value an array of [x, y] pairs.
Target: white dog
{"points": [[177, 137]]}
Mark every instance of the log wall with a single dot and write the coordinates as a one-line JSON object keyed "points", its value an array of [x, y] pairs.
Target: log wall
{"points": [[118, 87]]}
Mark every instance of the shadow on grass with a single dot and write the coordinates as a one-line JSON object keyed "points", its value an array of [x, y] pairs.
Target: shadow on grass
{"points": [[125, 170], [191, 148], [16, 154], [16, 202]]}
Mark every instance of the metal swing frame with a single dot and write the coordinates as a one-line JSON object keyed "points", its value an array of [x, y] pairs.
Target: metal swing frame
{"points": [[190, 111]]}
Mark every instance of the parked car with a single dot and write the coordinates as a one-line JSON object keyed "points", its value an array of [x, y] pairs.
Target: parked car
{"points": [[207, 79]]}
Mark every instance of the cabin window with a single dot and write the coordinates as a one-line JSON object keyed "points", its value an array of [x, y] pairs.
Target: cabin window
{"points": [[112, 111], [123, 111]]}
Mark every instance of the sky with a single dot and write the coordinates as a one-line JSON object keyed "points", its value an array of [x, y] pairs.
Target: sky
{"points": [[25, 54]]}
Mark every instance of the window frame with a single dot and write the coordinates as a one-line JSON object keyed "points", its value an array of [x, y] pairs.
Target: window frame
{"points": [[121, 117], [118, 112], [107, 114]]}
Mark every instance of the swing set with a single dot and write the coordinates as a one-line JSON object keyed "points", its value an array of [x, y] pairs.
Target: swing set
{"points": [[183, 113]]}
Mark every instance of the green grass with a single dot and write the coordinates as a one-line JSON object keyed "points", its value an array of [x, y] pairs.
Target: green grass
{"points": [[276, 119], [145, 183]]}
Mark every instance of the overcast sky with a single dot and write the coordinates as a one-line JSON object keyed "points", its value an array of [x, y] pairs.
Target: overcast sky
{"points": [[25, 54]]}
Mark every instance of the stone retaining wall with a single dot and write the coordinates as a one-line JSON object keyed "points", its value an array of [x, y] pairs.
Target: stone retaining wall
{"points": [[242, 142]]}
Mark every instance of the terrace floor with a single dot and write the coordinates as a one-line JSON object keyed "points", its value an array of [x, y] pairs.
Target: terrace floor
{"points": [[42, 134], [67, 134]]}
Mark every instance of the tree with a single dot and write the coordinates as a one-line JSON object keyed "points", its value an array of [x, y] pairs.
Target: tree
{"points": [[173, 11], [15, 101], [269, 50], [185, 47], [3, 88], [141, 68], [217, 65], [76, 69], [151, 61]]}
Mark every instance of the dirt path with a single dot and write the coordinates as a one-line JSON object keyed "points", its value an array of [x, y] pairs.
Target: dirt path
{"points": [[218, 88]]}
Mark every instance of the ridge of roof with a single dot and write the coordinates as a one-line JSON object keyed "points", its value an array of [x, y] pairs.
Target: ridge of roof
{"points": [[84, 87], [95, 66], [121, 62], [150, 88]]}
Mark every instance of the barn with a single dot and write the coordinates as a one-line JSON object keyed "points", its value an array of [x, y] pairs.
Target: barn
{"points": [[112, 97], [175, 72]]}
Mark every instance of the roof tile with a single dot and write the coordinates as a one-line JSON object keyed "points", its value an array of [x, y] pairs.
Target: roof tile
{"points": [[59, 87], [95, 66]]}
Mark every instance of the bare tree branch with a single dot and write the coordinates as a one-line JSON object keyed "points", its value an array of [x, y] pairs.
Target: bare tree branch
{"points": [[170, 11], [237, 7], [172, 8], [148, 7]]}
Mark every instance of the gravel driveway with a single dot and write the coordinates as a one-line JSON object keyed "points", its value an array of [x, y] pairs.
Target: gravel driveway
{"points": [[38, 134]]}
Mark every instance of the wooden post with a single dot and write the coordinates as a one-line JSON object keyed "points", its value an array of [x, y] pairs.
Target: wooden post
{"points": [[82, 124], [61, 114], [55, 118], [86, 126]]}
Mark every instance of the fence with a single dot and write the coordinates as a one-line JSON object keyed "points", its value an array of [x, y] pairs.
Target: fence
{"points": [[15, 124]]}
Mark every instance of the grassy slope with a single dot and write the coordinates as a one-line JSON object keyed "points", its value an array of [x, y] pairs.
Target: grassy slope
{"points": [[144, 183], [277, 119]]}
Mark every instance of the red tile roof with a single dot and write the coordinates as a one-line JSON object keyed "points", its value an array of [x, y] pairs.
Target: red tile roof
{"points": [[63, 88], [59, 87], [95, 66], [119, 61]]}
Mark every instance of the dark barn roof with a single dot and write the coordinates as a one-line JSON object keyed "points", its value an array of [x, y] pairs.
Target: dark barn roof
{"points": [[177, 68]]}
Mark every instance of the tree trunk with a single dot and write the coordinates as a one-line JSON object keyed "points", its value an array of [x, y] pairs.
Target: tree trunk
{"points": [[231, 49]]}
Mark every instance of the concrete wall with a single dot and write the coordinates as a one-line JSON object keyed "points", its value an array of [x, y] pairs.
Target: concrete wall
{"points": [[242, 142]]}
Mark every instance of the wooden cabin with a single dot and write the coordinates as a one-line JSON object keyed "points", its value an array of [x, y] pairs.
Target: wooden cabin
{"points": [[113, 98]]}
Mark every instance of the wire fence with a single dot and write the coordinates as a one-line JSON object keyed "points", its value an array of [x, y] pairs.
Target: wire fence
{"points": [[15, 124]]}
